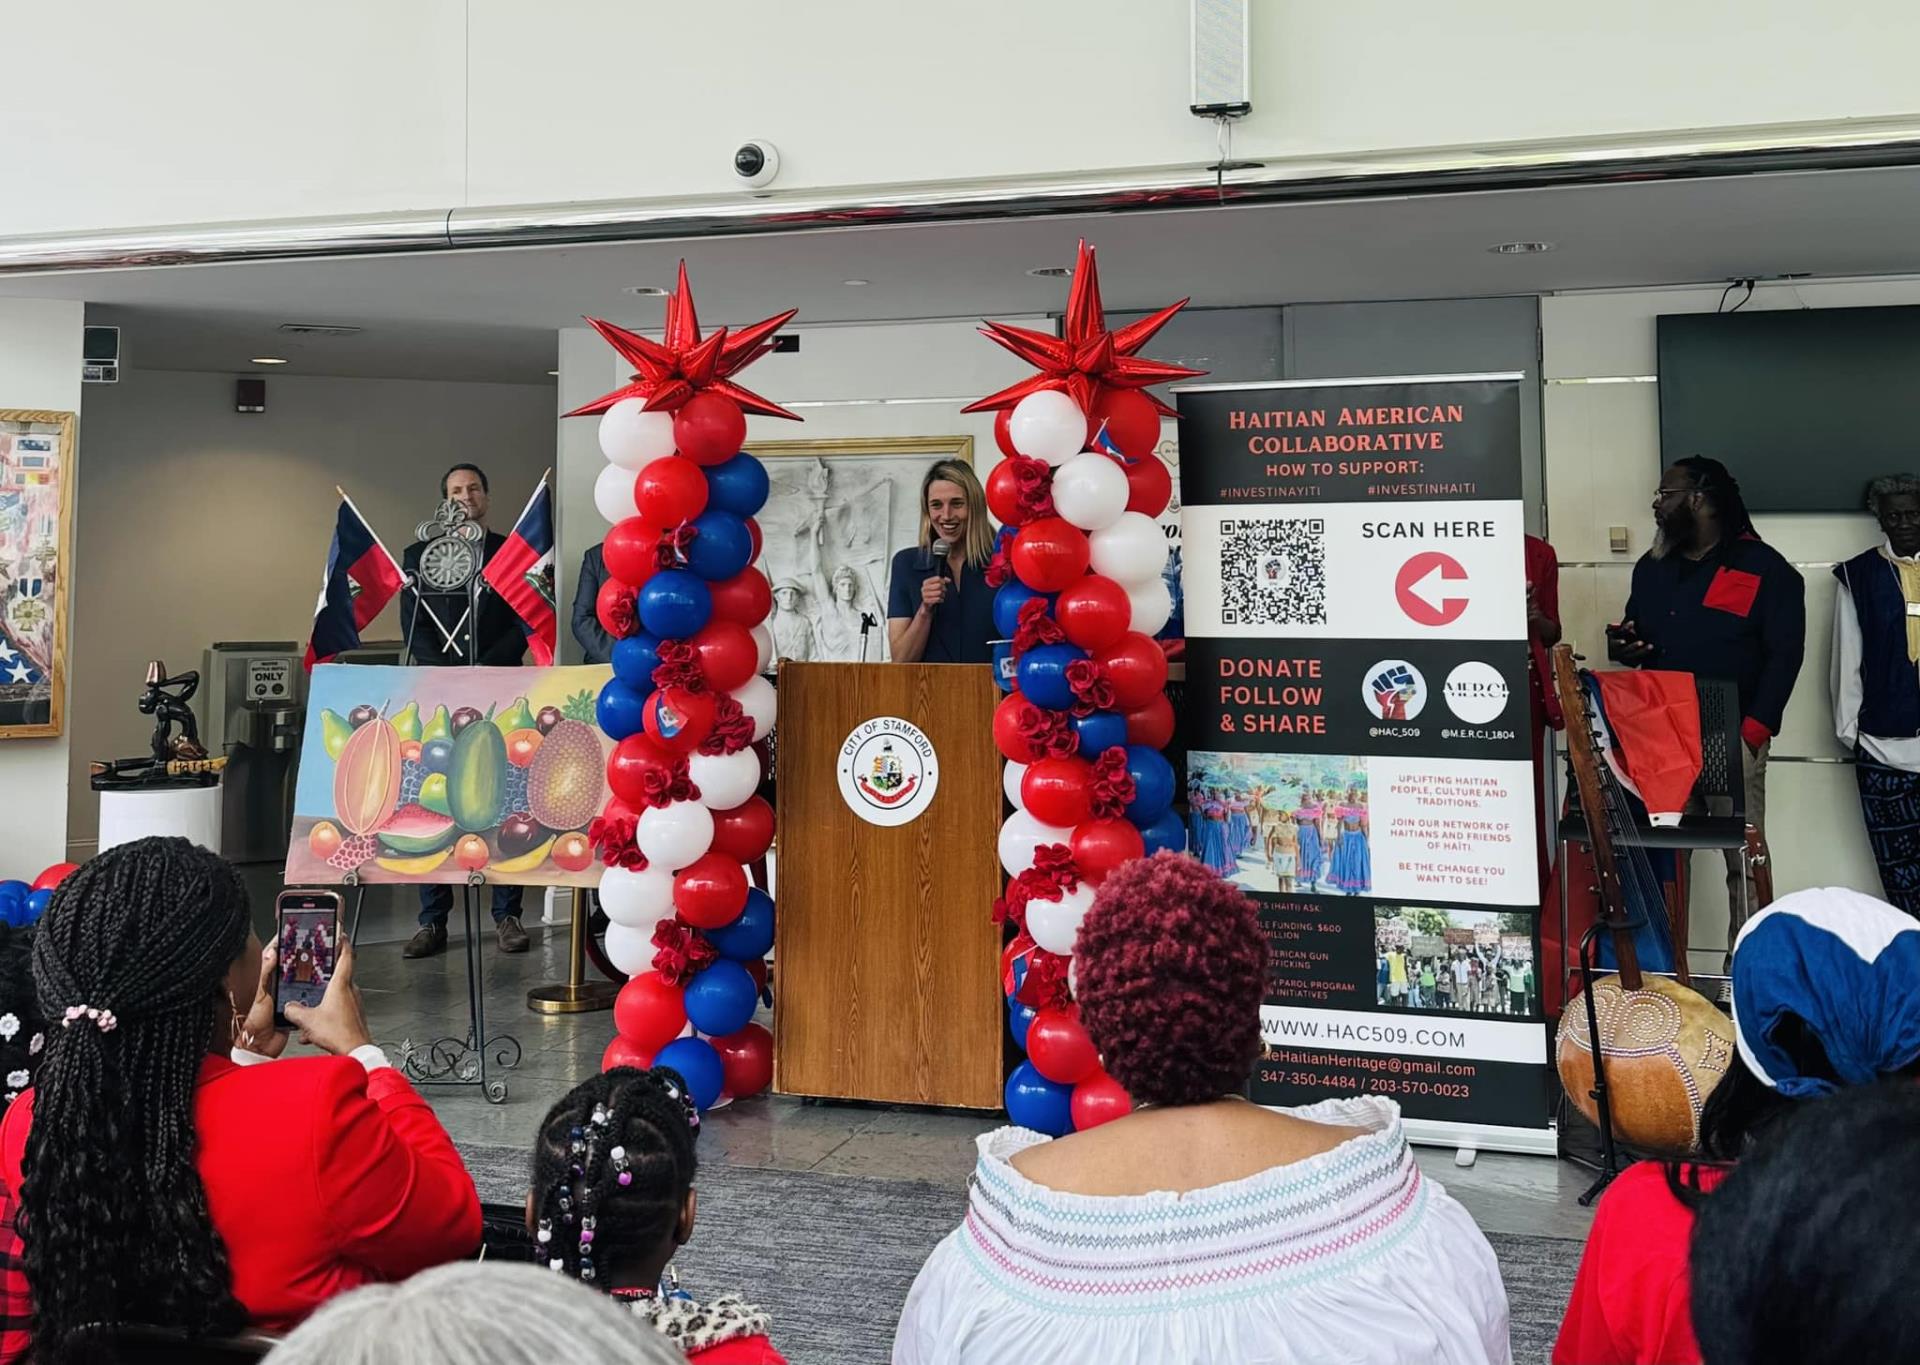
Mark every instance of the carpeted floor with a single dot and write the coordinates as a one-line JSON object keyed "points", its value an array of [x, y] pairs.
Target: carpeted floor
{"points": [[832, 1256]]}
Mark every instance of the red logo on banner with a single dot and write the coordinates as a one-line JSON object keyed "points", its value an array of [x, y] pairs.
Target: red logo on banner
{"points": [[1420, 588]]}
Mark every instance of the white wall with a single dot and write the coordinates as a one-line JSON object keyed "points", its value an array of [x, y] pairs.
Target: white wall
{"points": [[1602, 463], [40, 368], [201, 524], [225, 111]]}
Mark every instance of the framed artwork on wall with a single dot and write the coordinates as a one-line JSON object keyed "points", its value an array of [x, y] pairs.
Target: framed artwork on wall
{"points": [[838, 511], [36, 552]]}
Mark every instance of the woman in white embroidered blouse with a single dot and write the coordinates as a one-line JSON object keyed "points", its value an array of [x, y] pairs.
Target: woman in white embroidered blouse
{"points": [[1201, 1228]]}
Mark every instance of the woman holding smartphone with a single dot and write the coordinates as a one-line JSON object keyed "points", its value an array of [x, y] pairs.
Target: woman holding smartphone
{"points": [[160, 1176]]}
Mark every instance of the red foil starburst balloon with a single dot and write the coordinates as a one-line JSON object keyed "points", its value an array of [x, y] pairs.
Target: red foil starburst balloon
{"points": [[1089, 355], [669, 372]]}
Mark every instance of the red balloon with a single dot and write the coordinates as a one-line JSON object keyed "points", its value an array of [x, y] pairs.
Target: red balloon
{"points": [[711, 891], [1050, 553], [1152, 724], [1137, 667], [1133, 423], [627, 768], [1006, 728], [1094, 612], [754, 535], [746, 598], [678, 719], [709, 428], [757, 969], [54, 875], [670, 490], [628, 551], [744, 833], [614, 608], [1003, 435], [1003, 495], [1059, 1048], [1098, 1099], [622, 1053], [727, 654], [746, 1060], [650, 1011], [1149, 485], [1054, 791], [1099, 846]]}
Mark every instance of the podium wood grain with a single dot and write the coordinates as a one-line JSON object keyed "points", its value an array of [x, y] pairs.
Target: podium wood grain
{"points": [[886, 954]]}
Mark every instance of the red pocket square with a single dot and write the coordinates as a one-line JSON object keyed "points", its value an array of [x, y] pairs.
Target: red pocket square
{"points": [[1732, 590]]}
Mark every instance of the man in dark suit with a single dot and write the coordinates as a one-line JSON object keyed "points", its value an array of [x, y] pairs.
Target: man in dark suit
{"points": [[593, 638], [497, 639]]}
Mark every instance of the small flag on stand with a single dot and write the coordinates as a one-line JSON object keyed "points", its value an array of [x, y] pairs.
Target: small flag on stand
{"points": [[361, 578], [521, 571]]}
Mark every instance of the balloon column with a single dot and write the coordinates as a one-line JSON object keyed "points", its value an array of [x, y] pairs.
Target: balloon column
{"points": [[22, 903], [1085, 717], [687, 706]]}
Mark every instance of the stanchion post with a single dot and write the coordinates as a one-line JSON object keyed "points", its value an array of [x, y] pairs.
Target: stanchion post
{"points": [[576, 995]]}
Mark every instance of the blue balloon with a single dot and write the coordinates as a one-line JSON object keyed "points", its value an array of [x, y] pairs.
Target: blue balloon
{"points": [[620, 709], [1020, 971], [698, 1065], [750, 935], [674, 604], [1099, 732], [1042, 672], [37, 902], [1035, 1102], [1152, 784], [1020, 1019], [1168, 832], [722, 545], [1003, 674], [1007, 601], [738, 485], [721, 999], [634, 660], [13, 901]]}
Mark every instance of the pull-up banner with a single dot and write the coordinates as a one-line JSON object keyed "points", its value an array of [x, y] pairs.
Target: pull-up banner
{"points": [[1357, 728]]}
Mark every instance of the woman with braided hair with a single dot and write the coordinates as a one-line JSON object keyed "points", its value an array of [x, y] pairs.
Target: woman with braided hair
{"points": [[613, 1199], [165, 1179]]}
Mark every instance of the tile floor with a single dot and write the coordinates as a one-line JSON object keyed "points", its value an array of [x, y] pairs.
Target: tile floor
{"points": [[427, 999]]}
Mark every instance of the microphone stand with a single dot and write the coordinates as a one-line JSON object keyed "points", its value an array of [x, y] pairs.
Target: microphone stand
{"points": [[867, 623]]}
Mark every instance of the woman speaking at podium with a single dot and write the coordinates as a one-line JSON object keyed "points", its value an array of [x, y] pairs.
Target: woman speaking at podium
{"points": [[939, 604]]}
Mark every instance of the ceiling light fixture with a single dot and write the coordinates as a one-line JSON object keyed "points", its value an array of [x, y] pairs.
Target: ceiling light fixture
{"points": [[855, 284], [645, 291], [1520, 248], [266, 360], [1051, 272]]}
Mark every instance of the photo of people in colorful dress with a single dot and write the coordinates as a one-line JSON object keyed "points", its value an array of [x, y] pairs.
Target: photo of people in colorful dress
{"points": [[1467, 961], [1294, 824]]}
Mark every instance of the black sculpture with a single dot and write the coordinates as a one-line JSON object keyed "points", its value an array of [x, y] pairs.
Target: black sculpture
{"points": [[168, 710]]}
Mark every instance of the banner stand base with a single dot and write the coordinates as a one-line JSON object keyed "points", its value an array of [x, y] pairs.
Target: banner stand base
{"points": [[1482, 1137]]}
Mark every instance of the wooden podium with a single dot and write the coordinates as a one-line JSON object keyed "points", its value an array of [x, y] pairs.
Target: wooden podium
{"points": [[886, 955]]}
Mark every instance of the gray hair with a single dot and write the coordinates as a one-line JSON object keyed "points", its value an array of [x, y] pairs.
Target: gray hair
{"points": [[1888, 486], [475, 1313]]}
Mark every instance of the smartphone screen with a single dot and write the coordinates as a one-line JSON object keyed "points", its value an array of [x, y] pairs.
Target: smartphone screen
{"points": [[307, 930]]}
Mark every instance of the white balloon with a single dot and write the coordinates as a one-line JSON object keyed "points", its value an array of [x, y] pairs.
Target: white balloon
{"points": [[762, 641], [755, 696], [631, 950], [1132, 551], [1073, 977], [1020, 835], [673, 836], [1048, 426], [724, 780], [1010, 783], [638, 900], [1056, 924], [613, 494], [630, 435], [1090, 490], [1152, 606]]}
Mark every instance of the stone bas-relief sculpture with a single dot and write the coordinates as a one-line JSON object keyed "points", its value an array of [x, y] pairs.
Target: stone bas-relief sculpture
{"points": [[830, 526]]}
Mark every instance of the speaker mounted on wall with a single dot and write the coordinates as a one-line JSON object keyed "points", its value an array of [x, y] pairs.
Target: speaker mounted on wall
{"points": [[250, 395]]}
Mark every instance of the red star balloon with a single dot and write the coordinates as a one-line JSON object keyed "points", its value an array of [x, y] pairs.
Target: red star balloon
{"points": [[669, 372], [1089, 355]]}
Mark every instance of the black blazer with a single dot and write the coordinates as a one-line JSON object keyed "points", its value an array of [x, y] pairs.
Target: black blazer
{"points": [[502, 635], [597, 644]]}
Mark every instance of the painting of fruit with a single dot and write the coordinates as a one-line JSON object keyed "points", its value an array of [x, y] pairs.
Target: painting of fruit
{"points": [[449, 775]]}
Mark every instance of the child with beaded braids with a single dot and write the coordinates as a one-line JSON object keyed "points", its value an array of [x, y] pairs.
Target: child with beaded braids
{"points": [[613, 1199]]}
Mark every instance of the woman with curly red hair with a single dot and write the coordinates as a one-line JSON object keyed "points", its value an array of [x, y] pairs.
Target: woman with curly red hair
{"points": [[1201, 1227]]}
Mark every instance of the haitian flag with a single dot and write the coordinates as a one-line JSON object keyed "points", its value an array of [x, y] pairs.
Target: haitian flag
{"points": [[361, 579], [521, 571]]}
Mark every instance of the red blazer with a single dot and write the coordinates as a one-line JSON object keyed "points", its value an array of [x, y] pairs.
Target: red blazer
{"points": [[321, 1176]]}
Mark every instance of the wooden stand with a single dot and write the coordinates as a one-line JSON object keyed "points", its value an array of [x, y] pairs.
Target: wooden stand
{"points": [[886, 953]]}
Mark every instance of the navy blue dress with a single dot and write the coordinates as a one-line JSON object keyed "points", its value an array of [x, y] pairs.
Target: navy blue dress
{"points": [[962, 629]]}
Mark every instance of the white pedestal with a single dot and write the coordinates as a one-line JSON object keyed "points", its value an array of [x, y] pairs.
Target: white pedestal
{"points": [[192, 813]]}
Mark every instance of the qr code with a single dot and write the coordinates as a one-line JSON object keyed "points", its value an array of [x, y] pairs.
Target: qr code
{"points": [[1273, 572]]}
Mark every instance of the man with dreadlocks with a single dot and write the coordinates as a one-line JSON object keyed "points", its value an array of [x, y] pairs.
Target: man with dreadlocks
{"points": [[1713, 599], [612, 1200], [163, 1182]]}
